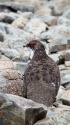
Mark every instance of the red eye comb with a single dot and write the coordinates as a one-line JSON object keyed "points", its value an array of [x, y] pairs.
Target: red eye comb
{"points": [[32, 43]]}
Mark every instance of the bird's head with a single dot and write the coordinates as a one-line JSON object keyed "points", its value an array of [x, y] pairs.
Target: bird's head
{"points": [[35, 45]]}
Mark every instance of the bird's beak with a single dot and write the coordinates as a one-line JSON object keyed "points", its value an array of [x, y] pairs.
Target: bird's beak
{"points": [[27, 45]]}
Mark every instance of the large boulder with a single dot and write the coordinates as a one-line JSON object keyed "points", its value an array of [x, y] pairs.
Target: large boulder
{"points": [[10, 81], [15, 110], [56, 116]]}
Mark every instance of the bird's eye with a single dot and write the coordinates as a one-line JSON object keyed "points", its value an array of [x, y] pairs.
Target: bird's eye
{"points": [[32, 43]]}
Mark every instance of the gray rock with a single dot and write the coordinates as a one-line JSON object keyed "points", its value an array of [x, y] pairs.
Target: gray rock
{"points": [[55, 57], [35, 26], [59, 32], [49, 20], [27, 15], [13, 37], [61, 91], [11, 53], [7, 17], [65, 76], [67, 63], [68, 44], [58, 7], [20, 66], [15, 6], [67, 55], [67, 86], [15, 110], [56, 116], [57, 45], [65, 18], [66, 98]]}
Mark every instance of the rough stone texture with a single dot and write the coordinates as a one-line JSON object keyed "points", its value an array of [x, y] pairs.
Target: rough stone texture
{"points": [[20, 22], [58, 7], [35, 26], [68, 44], [57, 32], [57, 45], [67, 63], [10, 53], [10, 81], [65, 76], [15, 110], [65, 18], [67, 56], [66, 98], [56, 116], [7, 18], [14, 7], [55, 57], [44, 10], [49, 20], [61, 91]]}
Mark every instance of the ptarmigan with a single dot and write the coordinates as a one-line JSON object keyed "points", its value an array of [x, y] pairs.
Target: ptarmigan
{"points": [[41, 77]]}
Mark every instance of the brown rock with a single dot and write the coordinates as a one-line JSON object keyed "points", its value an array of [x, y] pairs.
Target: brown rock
{"points": [[10, 81]]}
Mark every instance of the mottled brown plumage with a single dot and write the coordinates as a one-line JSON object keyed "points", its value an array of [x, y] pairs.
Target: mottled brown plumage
{"points": [[42, 77]]}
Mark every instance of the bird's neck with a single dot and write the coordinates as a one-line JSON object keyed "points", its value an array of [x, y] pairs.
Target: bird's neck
{"points": [[39, 54]]}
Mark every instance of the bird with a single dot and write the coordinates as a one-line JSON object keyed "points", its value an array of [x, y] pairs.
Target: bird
{"points": [[42, 76]]}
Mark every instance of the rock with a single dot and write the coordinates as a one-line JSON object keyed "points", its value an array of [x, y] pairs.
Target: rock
{"points": [[11, 53], [15, 6], [49, 20], [58, 7], [15, 38], [67, 55], [62, 67], [55, 57], [7, 17], [56, 116], [15, 110], [65, 18], [57, 45], [67, 86], [67, 63], [10, 81], [1, 37], [27, 15], [62, 35], [35, 26], [43, 10], [66, 98], [68, 44], [61, 32], [20, 66], [20, 22], [65, 76], [61, 91]]}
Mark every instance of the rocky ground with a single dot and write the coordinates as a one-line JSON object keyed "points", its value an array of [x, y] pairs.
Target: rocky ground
{"points": [[20, 22]]}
